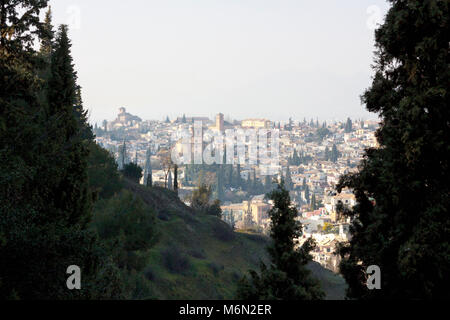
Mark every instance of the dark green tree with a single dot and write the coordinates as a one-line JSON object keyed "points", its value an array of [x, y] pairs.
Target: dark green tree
{"points": [[133, 172], [295, 160], [307, 194], [219, 183], [327, 154], [104, 178], [175, 178], [401, 221], [237, 179], [288, 180], [45, 199], [348, 126], [313, 202], [286, 277], [201, 201], [322, 133], [334, 155]]}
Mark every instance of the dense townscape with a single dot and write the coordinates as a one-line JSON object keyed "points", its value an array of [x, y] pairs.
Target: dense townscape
{"points": [[312, 157]]}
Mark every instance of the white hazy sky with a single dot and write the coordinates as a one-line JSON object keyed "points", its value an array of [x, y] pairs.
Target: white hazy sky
{"points": [[245, 58]]}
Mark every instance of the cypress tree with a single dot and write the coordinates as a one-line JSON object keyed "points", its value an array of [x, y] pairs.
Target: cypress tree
{"points": [[334, 156], [44, 199], [327, 154], [289, 184], [307, 194], [68, 132], [286, 277], [401, 221], [348, 126], [175, 179], [313, 202]]}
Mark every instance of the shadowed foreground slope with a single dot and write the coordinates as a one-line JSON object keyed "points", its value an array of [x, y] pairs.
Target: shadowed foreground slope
{"points": [[199, 257]]}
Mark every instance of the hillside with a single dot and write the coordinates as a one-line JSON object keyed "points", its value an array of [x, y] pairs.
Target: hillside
{"points": [[199, 257]]}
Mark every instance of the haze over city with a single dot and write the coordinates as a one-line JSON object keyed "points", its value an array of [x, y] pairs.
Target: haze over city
{"points": [[269, 59]]}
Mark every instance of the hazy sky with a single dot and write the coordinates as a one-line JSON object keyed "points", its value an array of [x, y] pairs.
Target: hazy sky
{"points": [[245, 58]]}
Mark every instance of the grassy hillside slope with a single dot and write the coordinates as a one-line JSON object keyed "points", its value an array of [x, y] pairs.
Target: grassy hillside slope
{"points": [[199, 257]]}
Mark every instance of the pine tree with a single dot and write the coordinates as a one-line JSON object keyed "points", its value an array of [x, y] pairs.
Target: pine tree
{"points": [[47, 35], [401, 221], [286, 277], [67, 132]]}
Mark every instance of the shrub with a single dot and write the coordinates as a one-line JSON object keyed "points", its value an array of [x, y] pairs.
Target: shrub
{"points": [[215, 268], [175, 261], [149, 274], [197, 253], [223, 231]]}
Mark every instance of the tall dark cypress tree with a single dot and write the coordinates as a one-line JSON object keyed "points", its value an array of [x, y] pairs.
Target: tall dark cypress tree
{"points": [[44, 202], [334, 156], [348, 126], [68, 131], [289, 184], [401, 222], [44, 197], [175, 178], [286, 278]]}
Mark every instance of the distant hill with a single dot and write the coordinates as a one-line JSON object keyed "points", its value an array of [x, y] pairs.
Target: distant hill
{"points": [[199, 257]]}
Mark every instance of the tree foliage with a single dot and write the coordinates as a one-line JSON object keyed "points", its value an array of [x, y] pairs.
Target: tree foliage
{"points": [[201, 201], [133, 172], [286, 277], [401, 220], [45, 200]]}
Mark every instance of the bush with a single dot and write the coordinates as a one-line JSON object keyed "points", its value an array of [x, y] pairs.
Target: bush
{"points": [[215, 268], [197, 253], [175, 261], [149, 274], [104, 179], [236, 276], [223, 231], [163, 216], [133, 172]]}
